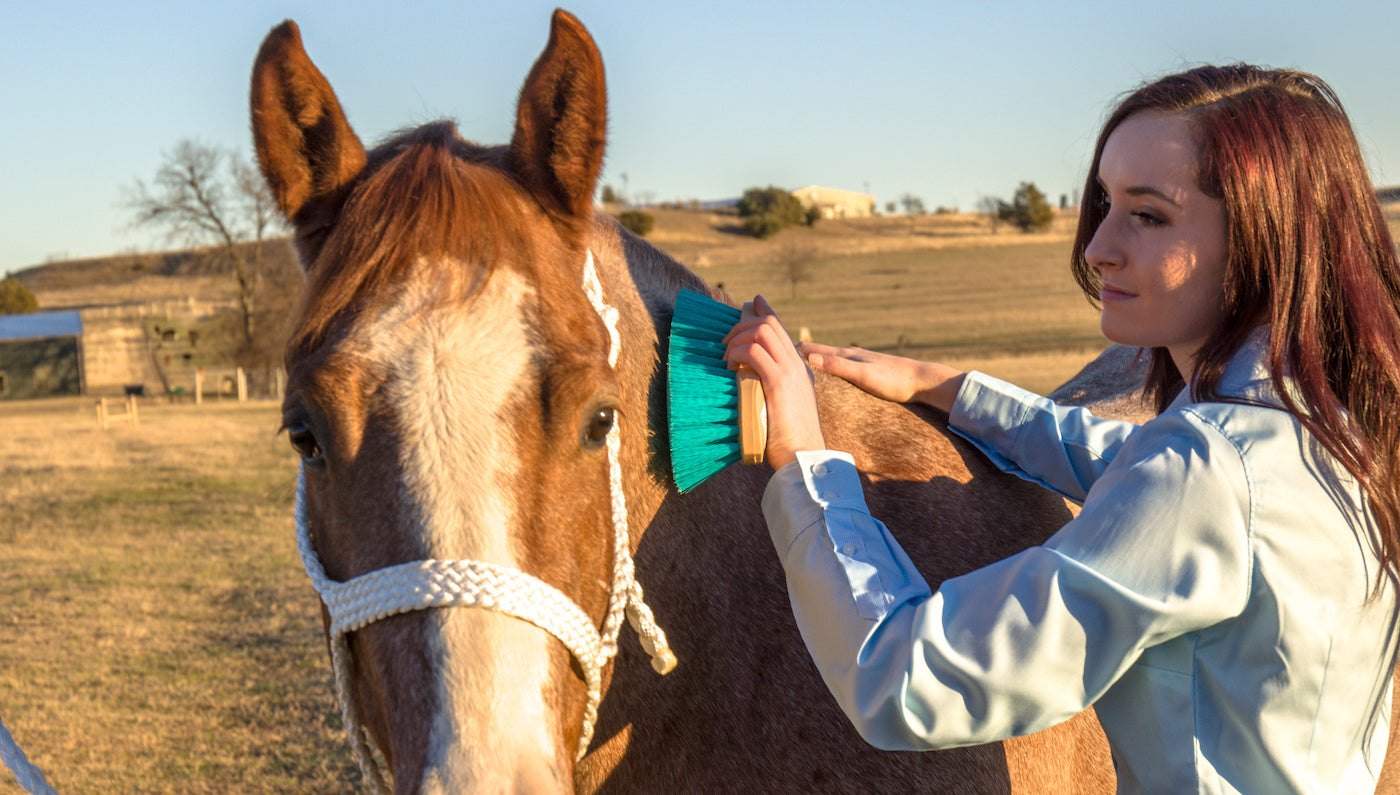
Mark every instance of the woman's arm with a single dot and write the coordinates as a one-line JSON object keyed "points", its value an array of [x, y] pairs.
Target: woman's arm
{"points": [[1063, 448], [1160, 549]]}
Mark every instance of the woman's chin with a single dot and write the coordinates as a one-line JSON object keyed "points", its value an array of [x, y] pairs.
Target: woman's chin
{"points": [[1117, 330]]}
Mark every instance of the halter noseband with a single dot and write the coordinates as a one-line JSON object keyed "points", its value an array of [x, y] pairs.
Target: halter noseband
{"points": [[425, 584]]}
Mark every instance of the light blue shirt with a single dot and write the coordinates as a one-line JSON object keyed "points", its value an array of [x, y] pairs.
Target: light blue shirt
{"points": [[1210, 600]]}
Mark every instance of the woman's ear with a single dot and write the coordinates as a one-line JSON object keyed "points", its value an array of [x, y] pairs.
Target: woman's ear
{"points": [[305, 146], [561, 121]]}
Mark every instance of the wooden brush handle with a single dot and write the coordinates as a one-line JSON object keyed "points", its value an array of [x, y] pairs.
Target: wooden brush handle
{"points": [[753, 417]]}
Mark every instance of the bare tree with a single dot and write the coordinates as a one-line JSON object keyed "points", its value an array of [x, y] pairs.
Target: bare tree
{"points": [[913, 205], [991, 207], [205, 195], [793, 262]]}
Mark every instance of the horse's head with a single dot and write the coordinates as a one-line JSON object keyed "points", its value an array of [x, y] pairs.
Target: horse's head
{"points": [[450, 393]]}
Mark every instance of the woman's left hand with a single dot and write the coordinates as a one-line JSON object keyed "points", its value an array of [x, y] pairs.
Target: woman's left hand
{"points": [[760, 342]]}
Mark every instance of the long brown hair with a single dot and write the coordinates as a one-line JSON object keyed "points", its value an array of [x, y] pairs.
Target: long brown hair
{"points": [[1308, 252]]}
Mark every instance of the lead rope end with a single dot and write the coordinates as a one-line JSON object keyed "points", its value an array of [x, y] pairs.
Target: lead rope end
{"points": [[652, 636]]}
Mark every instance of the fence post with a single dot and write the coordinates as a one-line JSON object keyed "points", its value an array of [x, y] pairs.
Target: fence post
{"points": [[132, 417], [279, 380], [198, 386], [242, 379], [102, 412]]}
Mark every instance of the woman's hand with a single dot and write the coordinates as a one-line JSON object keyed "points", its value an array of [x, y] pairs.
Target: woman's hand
{"points": [[887, 377], [760, 342]]}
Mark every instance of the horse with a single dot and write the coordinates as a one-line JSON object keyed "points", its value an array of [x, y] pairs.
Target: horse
{"points": [[455, 386]]}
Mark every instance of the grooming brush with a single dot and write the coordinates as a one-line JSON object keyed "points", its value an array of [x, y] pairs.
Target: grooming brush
{"points": [[715, 415]]}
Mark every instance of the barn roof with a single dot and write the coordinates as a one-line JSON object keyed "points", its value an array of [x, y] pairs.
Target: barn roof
{"points": [[40, 324]]}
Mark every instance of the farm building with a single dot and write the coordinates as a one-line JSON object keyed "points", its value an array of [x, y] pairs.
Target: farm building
{"points": [[835, 202], [149, 344], [153, 346], [40, 355]]}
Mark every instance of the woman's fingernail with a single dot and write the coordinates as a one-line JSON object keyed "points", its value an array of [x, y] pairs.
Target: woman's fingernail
{"points": [[815, 360]]}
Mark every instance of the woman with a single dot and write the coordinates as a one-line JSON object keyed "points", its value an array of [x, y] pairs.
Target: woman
{"points": [[1226, 597]]}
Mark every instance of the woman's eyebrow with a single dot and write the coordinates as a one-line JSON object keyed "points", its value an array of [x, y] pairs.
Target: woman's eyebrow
{"points": [[1140, 190]]}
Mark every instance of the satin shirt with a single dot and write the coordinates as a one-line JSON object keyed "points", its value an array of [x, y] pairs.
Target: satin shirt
{"points": [[1210, 599]]}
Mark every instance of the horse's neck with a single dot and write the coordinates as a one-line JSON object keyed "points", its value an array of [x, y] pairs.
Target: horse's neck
{"points": [[714, 580]]}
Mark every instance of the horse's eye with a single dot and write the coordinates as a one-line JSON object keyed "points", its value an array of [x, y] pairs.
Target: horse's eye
{"points": [[595, 433], [304, 442]]}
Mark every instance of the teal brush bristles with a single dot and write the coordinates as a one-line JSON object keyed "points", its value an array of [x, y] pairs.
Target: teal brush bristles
{"points": [[702, 395]]}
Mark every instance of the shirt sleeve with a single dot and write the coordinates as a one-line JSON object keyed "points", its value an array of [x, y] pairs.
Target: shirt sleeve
{"points": [[1063, 448], [1161, 548]]}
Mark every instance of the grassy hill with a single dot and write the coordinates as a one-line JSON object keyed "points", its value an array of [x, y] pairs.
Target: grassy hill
{"points": [[122, 278]]}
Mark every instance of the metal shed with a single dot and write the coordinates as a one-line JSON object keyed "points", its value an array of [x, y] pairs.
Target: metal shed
{"points": [[40, 355]]}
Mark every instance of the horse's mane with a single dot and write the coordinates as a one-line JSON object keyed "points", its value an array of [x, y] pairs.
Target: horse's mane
{"points": [[450, 205]]}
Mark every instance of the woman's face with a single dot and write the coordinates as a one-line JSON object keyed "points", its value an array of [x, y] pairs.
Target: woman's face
{"points": [[1161, 249]]}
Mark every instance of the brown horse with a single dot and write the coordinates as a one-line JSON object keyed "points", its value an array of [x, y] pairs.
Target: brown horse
{"points": [[449, 387]]}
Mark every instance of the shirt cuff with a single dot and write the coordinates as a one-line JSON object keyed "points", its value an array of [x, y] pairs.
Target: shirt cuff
{"points": [[992, 412], [799, 493]]}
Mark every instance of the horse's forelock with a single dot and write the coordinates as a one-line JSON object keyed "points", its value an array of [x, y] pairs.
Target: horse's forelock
{"points": [[426, 198]]}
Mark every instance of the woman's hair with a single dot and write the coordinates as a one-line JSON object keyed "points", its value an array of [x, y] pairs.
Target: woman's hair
{"points": [[1308, 253]]}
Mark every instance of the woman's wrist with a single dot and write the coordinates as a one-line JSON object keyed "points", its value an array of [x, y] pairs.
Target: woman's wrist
{"points": [[940, 385]]}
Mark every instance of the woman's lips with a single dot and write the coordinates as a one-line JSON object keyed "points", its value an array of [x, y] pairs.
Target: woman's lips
{"points": [[1107, 293]]}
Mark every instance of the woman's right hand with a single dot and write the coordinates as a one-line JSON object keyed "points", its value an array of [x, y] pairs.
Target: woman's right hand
{"points": [[892, 378]]}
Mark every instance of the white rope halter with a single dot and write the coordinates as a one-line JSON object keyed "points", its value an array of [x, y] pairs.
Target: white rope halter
{"points": [[426, 584]]}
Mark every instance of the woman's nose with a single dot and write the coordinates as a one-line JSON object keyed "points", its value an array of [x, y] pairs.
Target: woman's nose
{"points": [[1103, 250]]}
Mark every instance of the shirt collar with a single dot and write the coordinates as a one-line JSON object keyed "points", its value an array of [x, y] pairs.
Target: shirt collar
{"points": [[1246, 375]]}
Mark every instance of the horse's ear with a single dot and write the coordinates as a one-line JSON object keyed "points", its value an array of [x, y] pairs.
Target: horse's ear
{"points": [[561, 121], [305, 146]]}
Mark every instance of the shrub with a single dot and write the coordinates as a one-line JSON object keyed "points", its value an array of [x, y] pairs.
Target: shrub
{"points": [[15, 298], [812, 216], [767, 210], [1029, 210], [637, 222], [762, 226]]}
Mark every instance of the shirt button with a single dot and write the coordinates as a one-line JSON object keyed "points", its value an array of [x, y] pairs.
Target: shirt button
{"points": [[819, 470], [848, 550]]}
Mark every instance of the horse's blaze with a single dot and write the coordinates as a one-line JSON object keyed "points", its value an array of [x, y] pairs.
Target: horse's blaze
{"points": [[451, 374]]}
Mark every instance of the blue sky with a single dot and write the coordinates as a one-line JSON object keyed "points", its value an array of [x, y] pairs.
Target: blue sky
{"points": [[949, 101]]}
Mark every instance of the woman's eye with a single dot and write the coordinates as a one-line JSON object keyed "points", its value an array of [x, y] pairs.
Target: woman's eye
{"points": [[304, 442], [1149, 219], [600, 422]]}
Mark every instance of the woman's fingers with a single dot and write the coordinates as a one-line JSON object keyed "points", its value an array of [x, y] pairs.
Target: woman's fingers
{"points": [[839, 366], [762, 307], [817, 347], [747, 320], [751, 314], [770, 336], [757, 358]]}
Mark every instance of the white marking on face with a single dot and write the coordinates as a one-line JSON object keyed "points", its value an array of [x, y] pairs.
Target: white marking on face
{"points": [[452, 372]]}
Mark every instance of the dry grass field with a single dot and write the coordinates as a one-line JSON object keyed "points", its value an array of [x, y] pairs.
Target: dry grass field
{"points": [[156, 631]]}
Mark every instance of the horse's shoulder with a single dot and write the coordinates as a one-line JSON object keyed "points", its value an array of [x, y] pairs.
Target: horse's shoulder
{"points": [[1110, 385]]}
